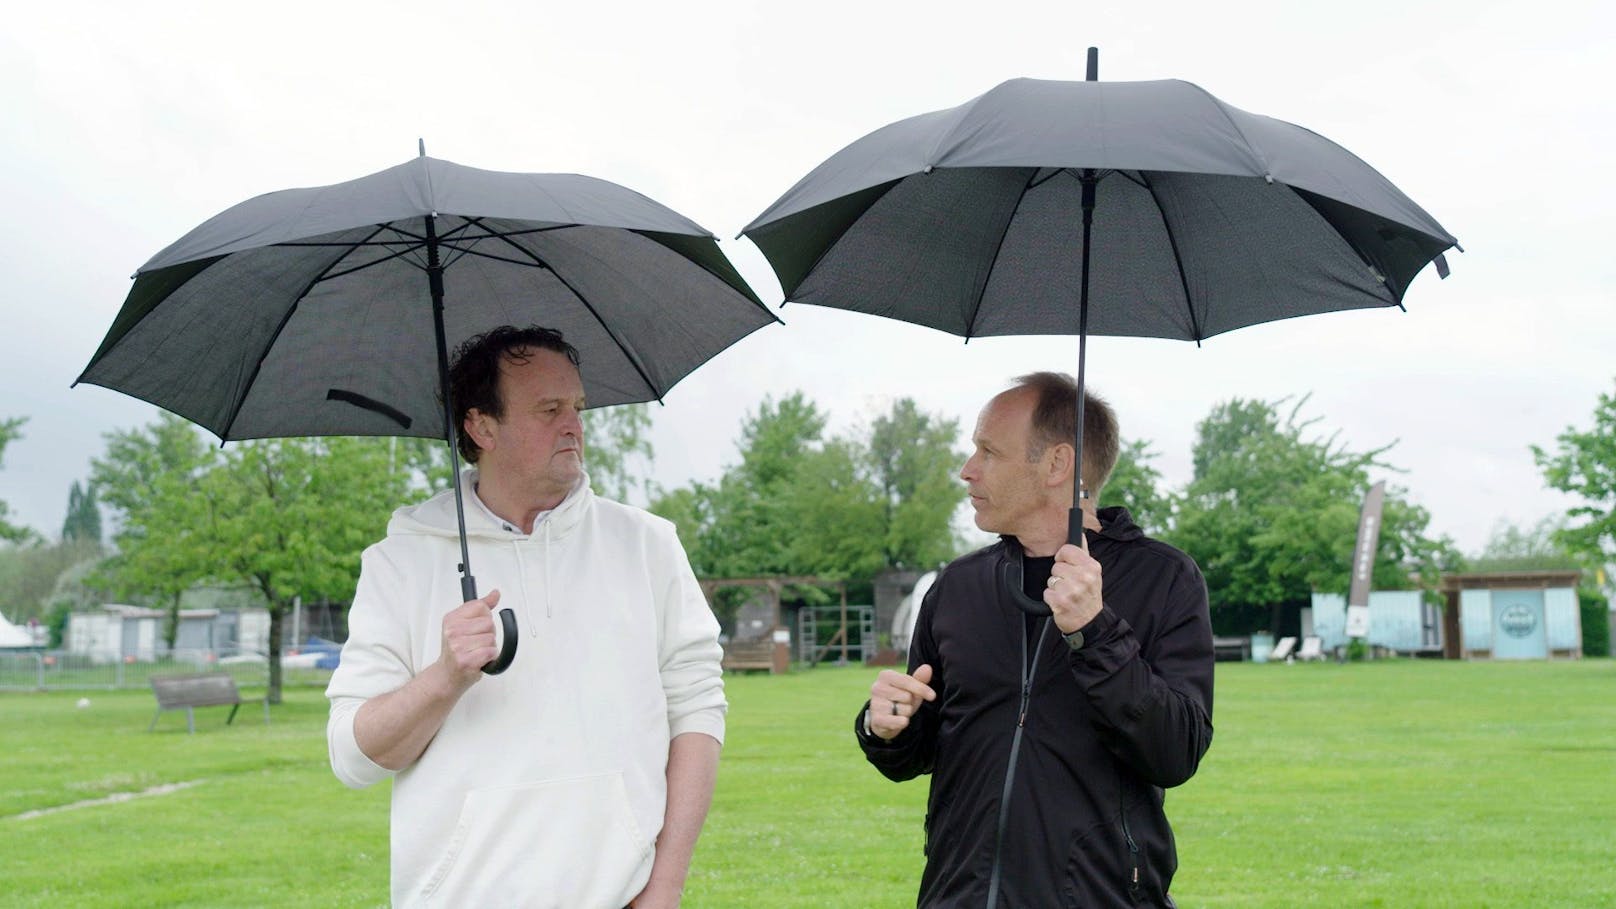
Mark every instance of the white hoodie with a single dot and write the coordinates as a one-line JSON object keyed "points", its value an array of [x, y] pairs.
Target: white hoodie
{"points": [[546, 785]]}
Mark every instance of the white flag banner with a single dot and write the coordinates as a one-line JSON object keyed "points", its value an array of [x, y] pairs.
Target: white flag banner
{"points": [[1363, 562]]}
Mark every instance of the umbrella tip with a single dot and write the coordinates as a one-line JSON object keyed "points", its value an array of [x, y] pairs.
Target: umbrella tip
{"points": [[1094, 65], [420, 145]]}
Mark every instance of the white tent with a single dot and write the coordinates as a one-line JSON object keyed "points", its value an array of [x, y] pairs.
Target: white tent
{"points": [[13, 636], [903, 621]]}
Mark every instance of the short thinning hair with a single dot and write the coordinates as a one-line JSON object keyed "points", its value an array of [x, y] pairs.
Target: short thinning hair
{"points": [[1054, 420], [474, 372]]}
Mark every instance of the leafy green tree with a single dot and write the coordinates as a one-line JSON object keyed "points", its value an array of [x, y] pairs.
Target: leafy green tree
{"points": [[290, 517], [149, 478], [32, 575], [914, 463], [839, 518], [1271, 515], [616, 445], [748, 529], [690, 508], [1514, 548], [83, 520], [1136, 485], [10, 431], [1584, 464], [424, 464], [798, 503]]}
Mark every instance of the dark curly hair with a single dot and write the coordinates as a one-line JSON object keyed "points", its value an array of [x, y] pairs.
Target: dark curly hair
{"points": [[474, 372]]}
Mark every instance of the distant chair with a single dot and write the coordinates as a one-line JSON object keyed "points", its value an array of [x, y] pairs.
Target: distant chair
{"points": [[1312, 649], [1282, 650]]}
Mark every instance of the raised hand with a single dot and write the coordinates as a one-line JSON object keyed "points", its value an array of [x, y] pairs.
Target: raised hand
{"points": [[895, 697]]}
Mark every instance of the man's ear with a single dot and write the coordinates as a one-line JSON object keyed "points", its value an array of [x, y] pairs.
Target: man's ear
{"points": [[1058, 465], [476, 428]]}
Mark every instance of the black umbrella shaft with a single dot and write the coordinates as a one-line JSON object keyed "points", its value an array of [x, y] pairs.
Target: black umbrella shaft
{"points": [[434, 276], [1074, 525]]}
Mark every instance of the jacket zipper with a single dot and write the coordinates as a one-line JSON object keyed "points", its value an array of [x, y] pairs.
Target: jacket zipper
{"points": [[1015, 749], [1133, 848]]}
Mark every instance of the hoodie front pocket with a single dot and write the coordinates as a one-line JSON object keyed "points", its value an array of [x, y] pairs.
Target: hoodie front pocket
{"points": [[559, 843]]}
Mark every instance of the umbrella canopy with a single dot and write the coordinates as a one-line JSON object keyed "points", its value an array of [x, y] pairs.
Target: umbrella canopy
{"points": [[309, 311], [1116, 208], [330, 311], [1207, 218]]}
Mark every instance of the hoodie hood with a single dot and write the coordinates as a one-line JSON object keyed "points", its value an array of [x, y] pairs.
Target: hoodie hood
{"points": [[436, 516]]}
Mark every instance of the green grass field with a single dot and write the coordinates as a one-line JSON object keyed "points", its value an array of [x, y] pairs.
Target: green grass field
{"points": [[1387, 784]]}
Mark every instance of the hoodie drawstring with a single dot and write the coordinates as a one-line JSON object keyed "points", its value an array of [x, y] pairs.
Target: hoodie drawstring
{"points": [[547, 584]]}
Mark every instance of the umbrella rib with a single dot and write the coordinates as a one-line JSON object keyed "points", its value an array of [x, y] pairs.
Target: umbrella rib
{"points": [[491, 235], [970, 324], [627, 353], [1172, 240], [464, 252], [494, 234], [471, 240], [1099, 174], [1137, 181], [329, 276], [351, 245], [287, 317], [460, 236], [1053, 173]]}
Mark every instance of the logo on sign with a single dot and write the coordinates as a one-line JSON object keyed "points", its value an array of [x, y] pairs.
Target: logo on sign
{"points": [[1518, 621]]}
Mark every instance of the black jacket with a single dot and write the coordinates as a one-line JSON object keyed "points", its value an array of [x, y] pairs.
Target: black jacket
{"points": [[1106, 729]]}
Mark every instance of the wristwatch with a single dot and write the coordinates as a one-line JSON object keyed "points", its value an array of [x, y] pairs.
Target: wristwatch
{"points": [[1098, 628]]}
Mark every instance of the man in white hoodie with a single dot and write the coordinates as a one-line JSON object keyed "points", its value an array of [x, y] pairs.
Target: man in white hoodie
{"points": [[581, 776]]}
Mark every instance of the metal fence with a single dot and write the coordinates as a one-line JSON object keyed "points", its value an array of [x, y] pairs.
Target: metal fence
{"points": [[58, 670]]}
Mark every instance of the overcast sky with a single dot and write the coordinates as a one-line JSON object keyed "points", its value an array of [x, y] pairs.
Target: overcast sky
{"points": [[127, 124]]}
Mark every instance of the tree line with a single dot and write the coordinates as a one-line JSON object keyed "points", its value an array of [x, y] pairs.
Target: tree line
{"points": [[1269, 512]]}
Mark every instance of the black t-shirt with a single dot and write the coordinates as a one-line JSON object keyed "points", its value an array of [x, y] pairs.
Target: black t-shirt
{"points": [[1035, 572]]}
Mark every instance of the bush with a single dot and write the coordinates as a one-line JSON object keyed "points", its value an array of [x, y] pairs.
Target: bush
{"points": [[61, 612], [1595, 622]]}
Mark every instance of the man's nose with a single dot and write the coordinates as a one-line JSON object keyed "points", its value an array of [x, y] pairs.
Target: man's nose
{"points": [[968, 469]]}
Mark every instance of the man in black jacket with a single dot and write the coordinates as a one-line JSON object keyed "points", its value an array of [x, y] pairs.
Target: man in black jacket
{"points": [[1049, 740]]}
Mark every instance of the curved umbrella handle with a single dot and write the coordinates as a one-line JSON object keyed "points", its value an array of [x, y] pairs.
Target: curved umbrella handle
{"points": [[1010, 578], [507, 647], [1010, 572]]}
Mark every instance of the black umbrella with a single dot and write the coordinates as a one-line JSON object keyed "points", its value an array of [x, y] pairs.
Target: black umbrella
{"points": [[330, 311], [977, 220]]}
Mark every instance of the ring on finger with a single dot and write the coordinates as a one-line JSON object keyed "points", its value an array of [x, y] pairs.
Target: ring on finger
{"points": [[894, 708]]}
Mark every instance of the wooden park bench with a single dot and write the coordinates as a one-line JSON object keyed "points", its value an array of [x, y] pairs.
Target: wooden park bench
{"points": [[187, 692], [744, 655]]}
